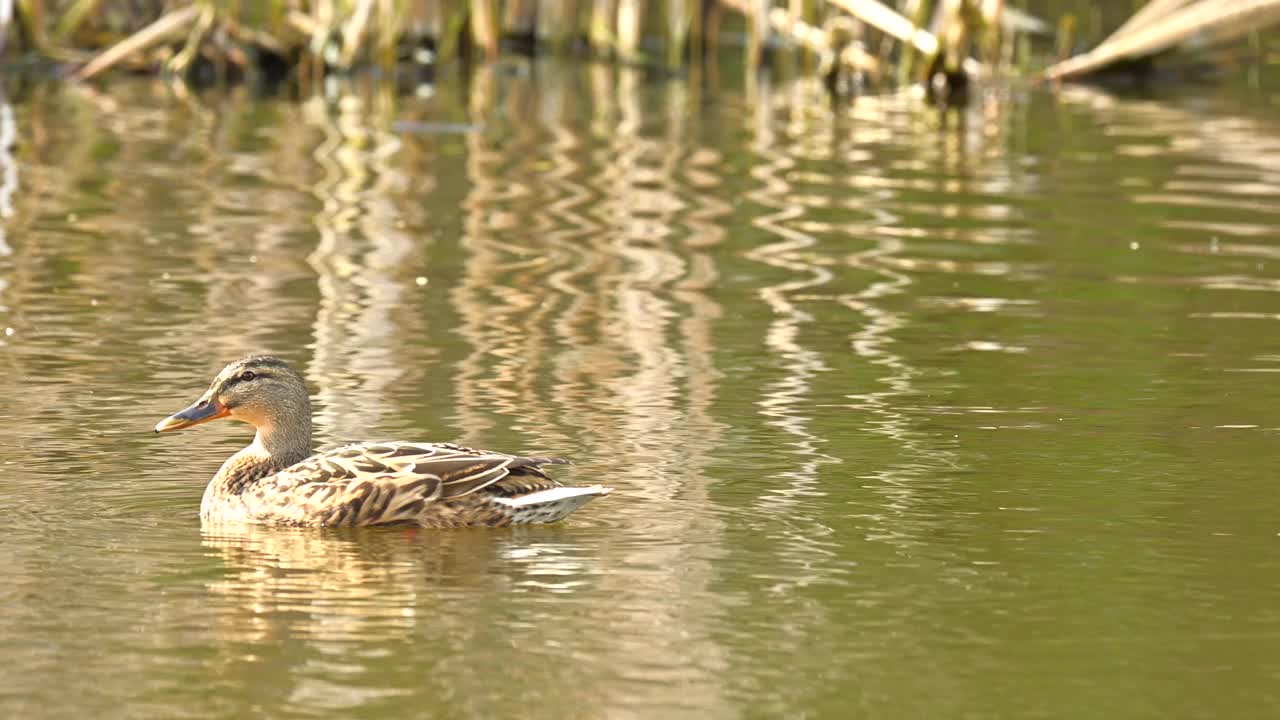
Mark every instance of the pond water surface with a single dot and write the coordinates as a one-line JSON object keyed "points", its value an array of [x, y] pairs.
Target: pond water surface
{"points": [[907, 415]]}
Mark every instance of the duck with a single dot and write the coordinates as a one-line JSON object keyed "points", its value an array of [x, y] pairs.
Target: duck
{"points": [[278, 480]]}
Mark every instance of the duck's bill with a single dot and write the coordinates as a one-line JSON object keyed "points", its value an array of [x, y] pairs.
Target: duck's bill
{"points": [[201, 412]]}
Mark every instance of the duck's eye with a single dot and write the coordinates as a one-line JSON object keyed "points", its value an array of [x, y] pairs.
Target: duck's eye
{"points": [[248, 375]]}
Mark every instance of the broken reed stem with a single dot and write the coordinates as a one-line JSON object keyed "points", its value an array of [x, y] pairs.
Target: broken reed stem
{"points": [[1214, 20], [1146, 15], [889, 22], [160, 30], [353, 33], [179, 63]]}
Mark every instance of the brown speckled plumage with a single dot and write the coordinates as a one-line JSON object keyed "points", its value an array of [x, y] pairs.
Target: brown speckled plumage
{"points": [[276, 480]]}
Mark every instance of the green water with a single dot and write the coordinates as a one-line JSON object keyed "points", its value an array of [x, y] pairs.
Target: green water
{"points": [[907, 416]]}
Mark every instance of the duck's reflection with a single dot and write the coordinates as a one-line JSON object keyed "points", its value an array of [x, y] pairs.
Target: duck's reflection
{"points": [[394, 620], [379, 582]]}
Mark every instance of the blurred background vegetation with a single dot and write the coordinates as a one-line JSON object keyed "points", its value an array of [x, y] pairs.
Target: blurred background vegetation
{"points": [[851, 43]]}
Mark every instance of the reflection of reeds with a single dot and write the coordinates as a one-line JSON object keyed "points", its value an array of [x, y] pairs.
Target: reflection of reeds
{"points": [[782, 402], [785, 136], [600, 293], [359, 262], [1229, 162]]}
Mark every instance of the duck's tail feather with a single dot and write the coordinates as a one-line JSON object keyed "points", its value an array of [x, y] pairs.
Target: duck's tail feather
{"points": [[546, 506]]}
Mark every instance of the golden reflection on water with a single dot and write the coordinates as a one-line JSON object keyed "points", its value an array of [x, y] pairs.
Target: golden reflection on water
{"points": [[783, 401], [360, 263]]}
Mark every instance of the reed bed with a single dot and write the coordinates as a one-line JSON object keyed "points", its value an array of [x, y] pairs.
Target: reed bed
{"points": [[849, 42]]}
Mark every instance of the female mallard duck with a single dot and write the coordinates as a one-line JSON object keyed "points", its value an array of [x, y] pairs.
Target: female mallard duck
{"points": [[277, 481]]}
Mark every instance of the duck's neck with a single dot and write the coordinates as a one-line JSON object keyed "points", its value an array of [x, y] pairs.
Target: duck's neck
{"points": [[273, 449]]}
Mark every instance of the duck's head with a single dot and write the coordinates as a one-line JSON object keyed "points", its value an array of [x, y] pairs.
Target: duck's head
{"points": [[261, 390]]}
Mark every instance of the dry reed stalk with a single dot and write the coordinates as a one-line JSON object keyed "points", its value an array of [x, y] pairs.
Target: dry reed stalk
{"points": [[389, 30], [994, 34], [944, 26], [31, 14], [229, 50], [802, 11], [943, 11], [1147, 14], [156, 32], [353, 33], [309, 68], [679, 16], [817, 40], [630, 14], [712, 23], [325, 14], [1002, 27], [888, 21], [6, 17], [254, 37], [455, 26], [519, 17], [808, 36], [425, 19], [1012, 20], [600, 31], [180, 63], [758, 15], [302, 23], [484, 26], [796, 9], [917, 11], [556, 22], [72, 18], [1214, 20], [696, 32], [949, 27]]}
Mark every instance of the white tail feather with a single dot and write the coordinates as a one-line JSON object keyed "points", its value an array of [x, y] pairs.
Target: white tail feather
{"points": [[555, 495], [550, 505]]}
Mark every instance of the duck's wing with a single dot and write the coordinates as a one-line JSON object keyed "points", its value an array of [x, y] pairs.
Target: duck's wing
{"points": [[388, 483]]}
